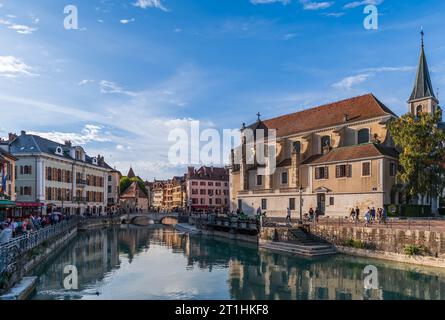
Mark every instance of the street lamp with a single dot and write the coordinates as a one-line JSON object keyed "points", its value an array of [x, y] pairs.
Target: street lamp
{"points": [[301, 204]]}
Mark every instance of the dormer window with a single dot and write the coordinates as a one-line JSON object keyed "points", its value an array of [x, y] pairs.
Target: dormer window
{"points": [[363, 136], [95, 161], [59, 151]]}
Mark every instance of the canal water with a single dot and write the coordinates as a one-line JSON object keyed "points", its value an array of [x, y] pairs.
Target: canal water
{"points": [[158, 262]]}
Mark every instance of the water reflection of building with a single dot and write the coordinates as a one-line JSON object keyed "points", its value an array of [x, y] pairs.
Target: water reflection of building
{"points": [[251, 274], [94, 254], [290, 278]]}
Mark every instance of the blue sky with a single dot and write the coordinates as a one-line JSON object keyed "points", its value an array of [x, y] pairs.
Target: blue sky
{"points": [[136, 69]]}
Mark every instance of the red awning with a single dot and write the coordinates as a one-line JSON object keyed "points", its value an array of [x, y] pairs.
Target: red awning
{"points": [[29, 204]]}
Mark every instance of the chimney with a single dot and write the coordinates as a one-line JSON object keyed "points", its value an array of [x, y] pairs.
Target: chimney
{"points": [[12, 137], [23, 133], [68, 143]]}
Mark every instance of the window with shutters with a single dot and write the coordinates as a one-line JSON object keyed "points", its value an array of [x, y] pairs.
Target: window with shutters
{"points": [[366, 169], [259, 180], [264, 204], [321, 173], [343, 171], [284, 178]]}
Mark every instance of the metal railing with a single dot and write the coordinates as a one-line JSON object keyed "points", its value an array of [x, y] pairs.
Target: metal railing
{"points": [[427, 224], [12, 250]]}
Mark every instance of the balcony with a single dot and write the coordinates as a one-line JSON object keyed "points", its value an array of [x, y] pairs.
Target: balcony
{"points": [[81, 182], [80, 199]]}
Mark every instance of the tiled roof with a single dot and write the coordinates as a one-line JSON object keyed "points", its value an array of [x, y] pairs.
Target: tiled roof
{"points": [[333, 114], [208, 173], [28, 143], [4, 154], [133, 191], [363, 151]]}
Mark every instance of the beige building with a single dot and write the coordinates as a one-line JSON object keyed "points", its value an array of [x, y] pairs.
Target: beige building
{"points": [[59, 177], [333, 157], [113, 190]]}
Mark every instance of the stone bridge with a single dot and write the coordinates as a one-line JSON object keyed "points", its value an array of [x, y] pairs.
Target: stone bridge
{"points": [[158, 218]]}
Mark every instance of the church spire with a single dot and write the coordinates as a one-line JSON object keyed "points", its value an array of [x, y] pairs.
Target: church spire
{"points": [[131, 173], [423, 87]]}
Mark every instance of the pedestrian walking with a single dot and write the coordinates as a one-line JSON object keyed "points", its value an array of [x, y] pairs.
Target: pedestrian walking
{"points": [[352, 215], [288, 217], [357, 214]]}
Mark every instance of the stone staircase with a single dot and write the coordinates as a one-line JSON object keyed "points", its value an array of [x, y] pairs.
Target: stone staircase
{"points": [[301, 242]]}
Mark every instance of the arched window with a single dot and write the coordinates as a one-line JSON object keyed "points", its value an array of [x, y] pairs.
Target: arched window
{"points": [[363, 136], [419, 110]]}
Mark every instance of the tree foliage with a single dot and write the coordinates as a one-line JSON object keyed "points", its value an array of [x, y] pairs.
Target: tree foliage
{"points": [[126, 182], [423, 153]]}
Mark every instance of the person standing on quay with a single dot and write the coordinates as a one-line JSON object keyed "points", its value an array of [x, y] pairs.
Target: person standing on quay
{"points": [[288, 218], [357, 214]]}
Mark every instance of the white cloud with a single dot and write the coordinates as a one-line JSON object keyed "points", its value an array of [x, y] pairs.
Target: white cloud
{"points": [[355, 4], [313, 5], [269, 1], [127, 21], [365, 74], [90, 133], [13, 67], [289, 36], [85, 82], [22, 29], [335, 14], [109, 87], [144, 4], [19, 28], [348, 82]]}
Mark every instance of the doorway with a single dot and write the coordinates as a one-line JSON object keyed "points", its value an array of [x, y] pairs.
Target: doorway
{"points": [[321, 203]]}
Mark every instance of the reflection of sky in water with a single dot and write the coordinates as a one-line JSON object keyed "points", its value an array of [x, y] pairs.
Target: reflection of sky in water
{"points": [[159, 263], [159, 274]]}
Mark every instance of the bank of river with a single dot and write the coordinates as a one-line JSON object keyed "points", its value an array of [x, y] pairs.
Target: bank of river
{"points": [[157, 262]]}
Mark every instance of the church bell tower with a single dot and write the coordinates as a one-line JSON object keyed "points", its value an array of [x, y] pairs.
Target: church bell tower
{"points": [[422, 99]]}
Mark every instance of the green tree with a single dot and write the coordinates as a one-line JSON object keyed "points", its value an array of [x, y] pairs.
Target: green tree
{"points": [[423, 153]]}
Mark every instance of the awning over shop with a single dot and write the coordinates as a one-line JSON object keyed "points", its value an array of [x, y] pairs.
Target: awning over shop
{"points": [[7, 204], [29, 204]]}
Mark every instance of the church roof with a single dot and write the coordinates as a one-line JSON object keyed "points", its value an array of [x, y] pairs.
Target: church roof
{"points": [[329, 115], [356, 152], [423, 87]]}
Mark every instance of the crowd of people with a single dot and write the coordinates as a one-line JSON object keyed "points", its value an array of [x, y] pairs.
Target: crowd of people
{"points": [[372, 215], [15, 227]]}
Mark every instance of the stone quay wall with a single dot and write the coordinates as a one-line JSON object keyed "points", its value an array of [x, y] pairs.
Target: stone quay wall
{"points": [[386, 243]]}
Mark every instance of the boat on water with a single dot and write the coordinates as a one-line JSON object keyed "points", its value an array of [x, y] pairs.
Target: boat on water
{"points": [[188, 228]]}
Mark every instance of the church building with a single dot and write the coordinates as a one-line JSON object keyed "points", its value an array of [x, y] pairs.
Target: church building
{"points": [[334, 157]]}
